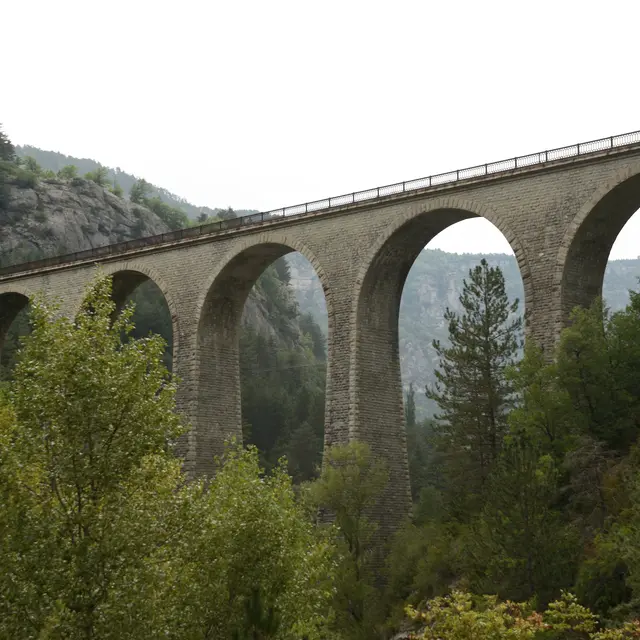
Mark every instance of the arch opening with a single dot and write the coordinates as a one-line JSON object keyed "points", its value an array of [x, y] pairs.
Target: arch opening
{"points": [[262, 359], [14, 324], [152, 313], [400, 311], [622, 272], [600, 235]]}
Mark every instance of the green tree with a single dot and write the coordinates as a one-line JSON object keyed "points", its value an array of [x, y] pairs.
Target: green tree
{"points": [[68, 172], [598, 364], [472, 389], [140, 191], [351, 482], [251, 561], [410, 407], [7, 150], [100, 534], [89, 476], [173, 217], [545, 411], [117, 190], [100, 175], [30, 164]]}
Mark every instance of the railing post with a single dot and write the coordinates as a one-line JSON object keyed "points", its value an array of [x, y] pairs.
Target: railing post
{"points": [[611, 141], [404, 186], [457, 175]]}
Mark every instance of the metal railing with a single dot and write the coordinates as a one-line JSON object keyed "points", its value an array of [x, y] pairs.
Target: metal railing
{"points": [[459, 175]]}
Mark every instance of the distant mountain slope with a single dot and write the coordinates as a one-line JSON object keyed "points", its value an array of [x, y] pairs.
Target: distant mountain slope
{"points": [[54, 161], [434, 283]]}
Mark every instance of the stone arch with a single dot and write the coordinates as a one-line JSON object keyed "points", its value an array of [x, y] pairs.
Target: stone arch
{"points": [[12, 302], [219, 310], [127, 276], [376, 402], [585, 247]]}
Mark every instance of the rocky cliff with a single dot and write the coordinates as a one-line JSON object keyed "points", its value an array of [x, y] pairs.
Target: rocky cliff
{"points": [[50, 217], [47, 217]]}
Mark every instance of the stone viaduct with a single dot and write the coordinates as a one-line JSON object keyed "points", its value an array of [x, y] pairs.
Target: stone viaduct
{"points": [[560, 211]]}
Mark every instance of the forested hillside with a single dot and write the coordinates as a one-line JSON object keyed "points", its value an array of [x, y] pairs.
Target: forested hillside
{"points": [[54, 161]]}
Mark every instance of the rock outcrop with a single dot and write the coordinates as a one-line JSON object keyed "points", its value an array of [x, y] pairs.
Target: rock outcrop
{"points": [[55, 216]]}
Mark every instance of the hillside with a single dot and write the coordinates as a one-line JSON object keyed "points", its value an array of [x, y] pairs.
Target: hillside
{"points": [[50, 217], [54, 161]]}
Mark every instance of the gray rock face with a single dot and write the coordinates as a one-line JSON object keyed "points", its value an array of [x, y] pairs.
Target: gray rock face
{"points": [[57, 217]]}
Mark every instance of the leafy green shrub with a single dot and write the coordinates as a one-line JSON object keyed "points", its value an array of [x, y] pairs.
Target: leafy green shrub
{"points": [[173, 217], [31, 164], [68, 172], [100, 176], [462, 616], [102, 536], [26, 179]]}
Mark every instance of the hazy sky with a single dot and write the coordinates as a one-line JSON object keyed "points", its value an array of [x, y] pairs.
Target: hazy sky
{"points": [[265, 104]]}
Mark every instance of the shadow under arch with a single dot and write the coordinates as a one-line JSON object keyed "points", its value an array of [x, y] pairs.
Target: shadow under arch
{"points": [[586, 245], [126, 278], [220, 308], [377, 413], [12, 303]]}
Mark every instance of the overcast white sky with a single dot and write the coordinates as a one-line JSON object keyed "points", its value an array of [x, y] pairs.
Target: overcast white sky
{"points": [[259, 104]]}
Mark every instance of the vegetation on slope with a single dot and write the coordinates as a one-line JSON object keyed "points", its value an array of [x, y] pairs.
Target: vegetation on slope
{"points": [[282, 359]]}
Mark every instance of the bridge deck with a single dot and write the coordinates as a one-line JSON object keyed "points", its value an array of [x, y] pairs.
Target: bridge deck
{"points": [[583, 151]]}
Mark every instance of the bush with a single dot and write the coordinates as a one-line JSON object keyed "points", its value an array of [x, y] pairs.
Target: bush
{"points": [[26, 179], [68, 172]]}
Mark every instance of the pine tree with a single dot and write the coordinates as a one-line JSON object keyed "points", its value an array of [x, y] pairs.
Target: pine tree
{"points": [[7, 151], [410, 408], [472, 390]]}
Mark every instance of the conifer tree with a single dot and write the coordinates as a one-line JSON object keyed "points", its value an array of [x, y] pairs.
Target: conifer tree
{"points": [[471, 389], [410, 408], [7, 151]]}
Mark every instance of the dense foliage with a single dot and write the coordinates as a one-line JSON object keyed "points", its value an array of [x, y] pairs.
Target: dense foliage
{"points": [[102, 537], [558, 507]]}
